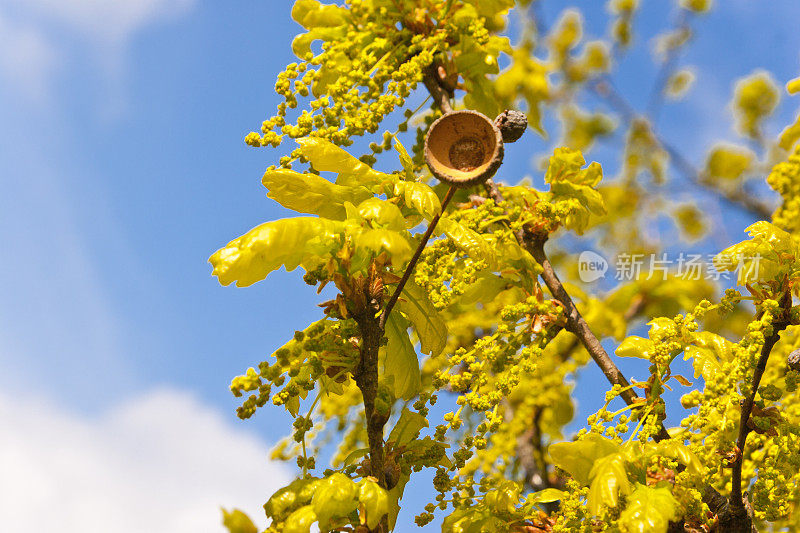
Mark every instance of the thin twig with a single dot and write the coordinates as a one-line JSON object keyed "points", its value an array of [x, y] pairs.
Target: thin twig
{"points": [[736, 502], [656, 99], [604, 88], [411, 264], [576, 324]]}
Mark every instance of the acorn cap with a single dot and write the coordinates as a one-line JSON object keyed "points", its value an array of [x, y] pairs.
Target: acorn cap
{"points": [[512, 124], [463, 148]]}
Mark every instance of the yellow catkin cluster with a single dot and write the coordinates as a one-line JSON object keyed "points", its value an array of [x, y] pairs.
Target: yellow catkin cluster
{"points": [[785, 179]]}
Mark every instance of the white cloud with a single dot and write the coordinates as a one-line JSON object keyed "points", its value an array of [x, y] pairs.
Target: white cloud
{"points": [[105, 20], [162, 462], [27, 59], [31, 31]]}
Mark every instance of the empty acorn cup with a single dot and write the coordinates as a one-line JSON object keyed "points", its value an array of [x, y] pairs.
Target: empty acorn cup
{"points": [[464, 148]]}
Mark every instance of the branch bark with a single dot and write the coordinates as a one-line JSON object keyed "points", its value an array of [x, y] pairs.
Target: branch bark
{"points": [[364, 302], [439, 94], [366, 378], [736, 505], [576, 324]]}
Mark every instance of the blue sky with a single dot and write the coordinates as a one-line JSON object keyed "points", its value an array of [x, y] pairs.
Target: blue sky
{"points": [[123, 168]]}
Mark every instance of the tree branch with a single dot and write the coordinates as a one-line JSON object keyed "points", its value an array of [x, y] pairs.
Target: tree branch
{"points": [[577, 325], [411, 264], [439, 94], [575, 321], [739, 199], [529, 453], [736, 502], [366, 378]]}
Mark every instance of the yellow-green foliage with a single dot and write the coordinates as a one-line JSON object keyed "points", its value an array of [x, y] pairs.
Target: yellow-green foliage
{"points": [[474, 329]]}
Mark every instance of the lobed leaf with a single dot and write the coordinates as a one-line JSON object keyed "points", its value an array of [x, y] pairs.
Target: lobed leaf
{"points": [[287, 242], [312, 14], [578, 458], [649, 510], [571, 183], [312, 194], [609, 480], [469, 241], [383, 213], [428, 323], [335, 497], [401, 366], [770, 254], [407, 427], [681, 453], [290, 498], [327, 157], [419, 197], [503, 499], [379, 240], [375, 501], [301, 44]]}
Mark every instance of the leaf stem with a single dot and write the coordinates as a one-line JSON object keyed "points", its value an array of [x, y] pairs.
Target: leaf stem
{"points": [[308, 416], [639, 425]]}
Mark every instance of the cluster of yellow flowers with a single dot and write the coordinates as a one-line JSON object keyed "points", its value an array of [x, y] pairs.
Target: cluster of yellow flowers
{"points": [[366, 69], [755, 98], [474, 304], [325, 347], [785, 179]]}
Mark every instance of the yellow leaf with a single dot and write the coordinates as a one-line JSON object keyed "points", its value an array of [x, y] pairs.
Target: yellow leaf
{"points": [[287, 242], [578, 458], [375, 501], [238, 522], [649, 510], [635, 347], [327, 157], [608, 480], [401, 366], [310, 193], [429, 325]]}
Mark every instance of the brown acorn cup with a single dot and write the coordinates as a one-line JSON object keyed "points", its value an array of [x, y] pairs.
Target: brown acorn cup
{"points": [[463, 148]]}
